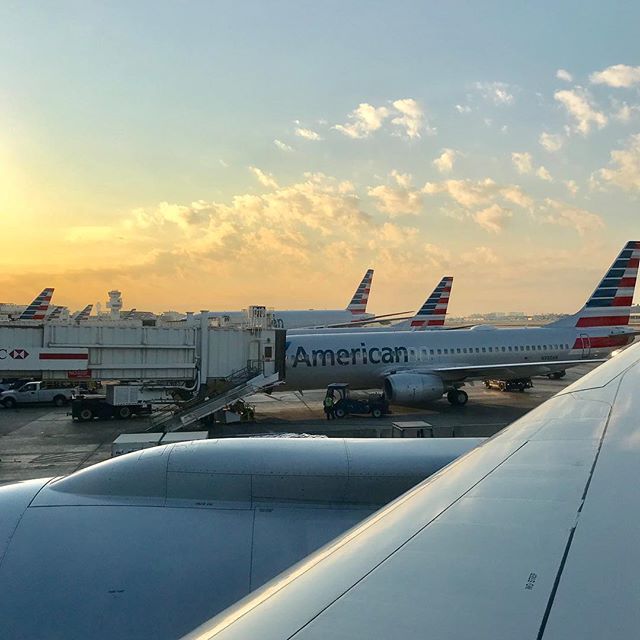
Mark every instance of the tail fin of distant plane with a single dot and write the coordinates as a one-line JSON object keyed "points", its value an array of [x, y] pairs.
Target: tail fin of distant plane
{"points": [[360, 298], [84, 314], [37, 310], [55, 314], [610, 304], [434, 310]]}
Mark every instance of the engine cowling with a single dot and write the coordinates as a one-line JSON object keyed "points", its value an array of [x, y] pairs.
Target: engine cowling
{"points": [[409, 388]]}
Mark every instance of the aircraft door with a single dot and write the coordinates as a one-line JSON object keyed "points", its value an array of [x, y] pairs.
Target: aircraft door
{"points": [[586, 345]]}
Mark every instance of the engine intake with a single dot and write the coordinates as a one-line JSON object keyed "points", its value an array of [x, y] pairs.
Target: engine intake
{"points": [[410, 388]]}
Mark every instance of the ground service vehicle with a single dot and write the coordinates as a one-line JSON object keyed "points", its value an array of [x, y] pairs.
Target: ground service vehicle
{"points": [[85, 408], [518, 384], [375, 403], [37, 392]]}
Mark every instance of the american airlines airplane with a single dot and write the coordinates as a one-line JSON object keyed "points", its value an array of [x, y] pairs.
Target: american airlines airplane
{"points": [[309, 318], [83, 314], [37, 310], [431, 314], [415, 367], [532, 534]]}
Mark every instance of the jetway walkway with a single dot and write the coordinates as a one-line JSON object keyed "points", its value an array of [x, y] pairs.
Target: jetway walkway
{"points": [[238, 385]]}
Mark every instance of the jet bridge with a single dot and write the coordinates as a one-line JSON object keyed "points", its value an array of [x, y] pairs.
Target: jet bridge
{"points": [[191, 354]]}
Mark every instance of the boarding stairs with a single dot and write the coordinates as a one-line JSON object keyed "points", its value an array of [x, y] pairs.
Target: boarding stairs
{"points": [[238, 385]]}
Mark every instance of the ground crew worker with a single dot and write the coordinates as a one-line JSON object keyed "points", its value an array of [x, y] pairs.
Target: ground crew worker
{"points": [[328, 407]]}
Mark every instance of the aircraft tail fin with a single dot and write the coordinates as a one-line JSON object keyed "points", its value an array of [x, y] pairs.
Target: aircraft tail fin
{"points": [[434, 310], [55, 314], [37, 310], [610, 304], [360, 298], [84, 314]]}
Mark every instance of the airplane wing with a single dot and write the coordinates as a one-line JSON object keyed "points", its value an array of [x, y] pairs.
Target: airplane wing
{"points": [[532, 535], [507, 371]]}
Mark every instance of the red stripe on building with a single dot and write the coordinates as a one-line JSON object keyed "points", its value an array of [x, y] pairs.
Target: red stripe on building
{"points": [[63, 356], [602, 321]]}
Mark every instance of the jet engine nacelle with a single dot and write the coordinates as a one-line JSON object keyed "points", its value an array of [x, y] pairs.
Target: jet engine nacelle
{"points": [[409, 388]]}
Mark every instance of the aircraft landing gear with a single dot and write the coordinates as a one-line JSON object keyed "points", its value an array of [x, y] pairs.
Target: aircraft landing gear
{"points": [[457, 397]]}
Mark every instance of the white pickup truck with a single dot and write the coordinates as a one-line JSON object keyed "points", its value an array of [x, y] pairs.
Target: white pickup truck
{"points": [[37, 392]]}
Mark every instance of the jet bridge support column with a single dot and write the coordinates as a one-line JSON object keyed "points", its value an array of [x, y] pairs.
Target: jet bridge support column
{"points": [[204, 347]]}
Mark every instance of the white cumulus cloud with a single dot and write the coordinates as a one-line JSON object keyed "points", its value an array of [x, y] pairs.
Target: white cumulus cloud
{"points": [[543, 174], [265, 179], [363, 120], [563, 74], [444, 162], [618, 75], [283, 146], [551, 142], [624, 166], [522, 162], [410, 118], [577, 102], [566, 215], [493, 218], [399, 198], [307, 134], [497, 92]]}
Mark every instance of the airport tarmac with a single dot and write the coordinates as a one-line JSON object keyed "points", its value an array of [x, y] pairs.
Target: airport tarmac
{"points": [[38, 442]]}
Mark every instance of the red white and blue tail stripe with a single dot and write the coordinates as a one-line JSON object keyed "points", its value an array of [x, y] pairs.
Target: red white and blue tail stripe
{"points": [[37, 310], [358, 304], [610, 304], [432, 313], [84, 314], [55, 314]]}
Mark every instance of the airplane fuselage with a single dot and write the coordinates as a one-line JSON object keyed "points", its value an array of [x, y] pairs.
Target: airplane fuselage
{"points": [[364, 359]]}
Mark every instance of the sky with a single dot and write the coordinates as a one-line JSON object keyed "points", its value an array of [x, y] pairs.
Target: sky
{"points": [[212, 155]]}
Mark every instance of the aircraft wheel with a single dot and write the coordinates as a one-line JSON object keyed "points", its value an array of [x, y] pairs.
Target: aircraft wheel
{"points": [[340, 413], [376, 413], [457, 397]]}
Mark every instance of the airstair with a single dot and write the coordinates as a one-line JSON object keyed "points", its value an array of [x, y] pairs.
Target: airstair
{"points": [[238, 385]]}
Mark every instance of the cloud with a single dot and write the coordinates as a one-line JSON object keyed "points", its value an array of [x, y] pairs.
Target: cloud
{"points": [[493, 218], [522, 162], [283, 146], [265, 179], [444, 162], [624, 166], [572, 186], [307, 134], [410, 118], [463, 108], [364, 120], [397, 199], [578, 104], [471, 194], [566, 215], [499, 93], [551, 142], [618, 75], [625, 112], [563, 74], [524, 165], [543, 174]]}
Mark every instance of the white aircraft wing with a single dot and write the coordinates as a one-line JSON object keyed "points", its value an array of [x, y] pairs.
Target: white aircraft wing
{"points": [[532, 535], [512, 370]]}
